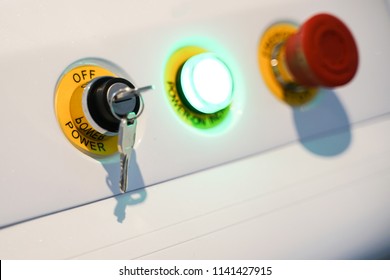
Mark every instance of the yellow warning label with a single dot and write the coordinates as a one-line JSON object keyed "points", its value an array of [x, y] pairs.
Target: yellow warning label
{"points": [[273, 38], [70, 114]]}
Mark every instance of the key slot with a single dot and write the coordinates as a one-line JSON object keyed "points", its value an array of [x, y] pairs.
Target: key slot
{"points": [[98, 102]]}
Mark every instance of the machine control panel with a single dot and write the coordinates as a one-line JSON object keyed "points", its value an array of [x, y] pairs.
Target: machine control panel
{"points": [[248, 79]]}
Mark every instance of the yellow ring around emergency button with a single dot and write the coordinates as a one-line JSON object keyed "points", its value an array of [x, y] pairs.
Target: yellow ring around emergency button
{"points": [[272, 37], [70, 114]]}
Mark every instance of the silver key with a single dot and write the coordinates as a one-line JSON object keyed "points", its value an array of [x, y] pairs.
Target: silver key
{"points": [[122, 100], [126, 139]]}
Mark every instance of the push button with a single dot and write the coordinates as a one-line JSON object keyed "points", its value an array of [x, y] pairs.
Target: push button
{"points": [[322, 53], [206, 83], [296, 61], [200, 87]]}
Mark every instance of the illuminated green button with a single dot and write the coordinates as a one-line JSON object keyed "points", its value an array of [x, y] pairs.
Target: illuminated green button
{"points": [[206, 83]]}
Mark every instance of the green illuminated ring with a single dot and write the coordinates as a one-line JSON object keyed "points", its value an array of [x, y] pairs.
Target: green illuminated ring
{"points": [[181, 106]]}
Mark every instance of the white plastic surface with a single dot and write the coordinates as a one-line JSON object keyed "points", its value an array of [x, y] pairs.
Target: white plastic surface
{"points": [[42, 173], [292, 205]]}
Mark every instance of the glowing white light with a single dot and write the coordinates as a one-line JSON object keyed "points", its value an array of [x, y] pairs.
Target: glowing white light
{"points": [[207, 83]]}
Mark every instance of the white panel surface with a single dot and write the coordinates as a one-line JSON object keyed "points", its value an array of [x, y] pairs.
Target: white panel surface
{"points": [[284, 204]]}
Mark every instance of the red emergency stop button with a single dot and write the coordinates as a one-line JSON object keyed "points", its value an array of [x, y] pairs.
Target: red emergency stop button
{"points": [[322, 53]]}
